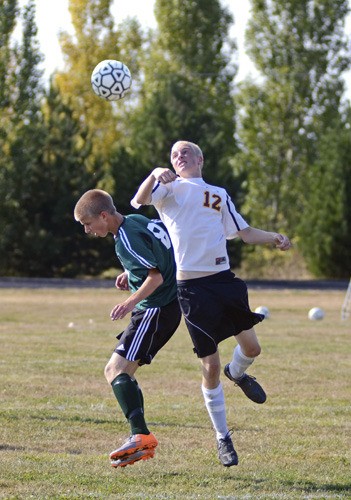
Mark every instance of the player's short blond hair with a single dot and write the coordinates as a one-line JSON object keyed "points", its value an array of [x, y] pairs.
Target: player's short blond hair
{"points": [[197, 150], [92, 203]]}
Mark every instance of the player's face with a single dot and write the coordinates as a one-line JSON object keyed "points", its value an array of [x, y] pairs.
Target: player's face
{"points": [[185, 161], [96, 226]]}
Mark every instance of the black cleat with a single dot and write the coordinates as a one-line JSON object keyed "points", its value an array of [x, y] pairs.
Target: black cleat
{"points": [[226, 452], [248, 385]]}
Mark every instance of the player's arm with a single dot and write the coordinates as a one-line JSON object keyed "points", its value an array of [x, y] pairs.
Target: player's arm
{"points": [[153, 281], [256, 236], [162, 175], [122, 281]]}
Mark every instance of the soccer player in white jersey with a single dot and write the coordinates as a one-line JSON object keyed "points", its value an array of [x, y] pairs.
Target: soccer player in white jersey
{"points": [[145, 252], [200, 218]]}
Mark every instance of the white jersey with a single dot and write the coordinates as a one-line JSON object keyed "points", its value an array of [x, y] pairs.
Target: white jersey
{"points": [[199, 218]]}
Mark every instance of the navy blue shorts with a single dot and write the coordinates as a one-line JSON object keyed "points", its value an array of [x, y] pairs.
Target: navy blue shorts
{"points": [[148, 331], [215, 307]]}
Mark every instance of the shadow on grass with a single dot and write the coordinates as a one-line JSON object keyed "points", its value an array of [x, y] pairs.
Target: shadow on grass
{"points": [[298, 486], [183, 426], [310, 487], [43, 417], [91, 420], [10, 447]]}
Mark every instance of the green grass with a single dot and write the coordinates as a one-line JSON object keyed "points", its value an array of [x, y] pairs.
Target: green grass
{"points": [[59, 419]]}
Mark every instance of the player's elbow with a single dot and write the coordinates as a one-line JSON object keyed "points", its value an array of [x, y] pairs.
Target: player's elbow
{"points": [[160, 280], [245, 234], [142, 199], [156, 277]]}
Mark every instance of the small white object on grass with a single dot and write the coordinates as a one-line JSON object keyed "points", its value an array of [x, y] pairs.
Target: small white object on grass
{"points": [[71, 325], [262, 310], [316, 313]]}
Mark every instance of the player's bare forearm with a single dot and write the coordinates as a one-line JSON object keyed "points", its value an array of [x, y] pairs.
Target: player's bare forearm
{"points": [[163, 175], [255, 236], [152, 282], [143, 195]]}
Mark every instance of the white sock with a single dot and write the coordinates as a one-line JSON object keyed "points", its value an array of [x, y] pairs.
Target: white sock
{"points": [[215, 404], [240, 363]]}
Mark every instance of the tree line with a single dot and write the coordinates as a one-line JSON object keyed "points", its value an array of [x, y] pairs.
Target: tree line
{"points": [[280, 145]]}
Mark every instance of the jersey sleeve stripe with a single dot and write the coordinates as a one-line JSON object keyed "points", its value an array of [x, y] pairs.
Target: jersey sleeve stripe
{"points": [[127, 245], [231, 213], [155, 187]]}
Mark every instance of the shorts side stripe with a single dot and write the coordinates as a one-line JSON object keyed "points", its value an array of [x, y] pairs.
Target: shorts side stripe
{"points": [[141, 331]]}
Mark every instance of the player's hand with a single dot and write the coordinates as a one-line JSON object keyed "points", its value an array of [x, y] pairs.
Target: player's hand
{"points": [[122, 281], [120, 310], [164, 175], [282, 242]]}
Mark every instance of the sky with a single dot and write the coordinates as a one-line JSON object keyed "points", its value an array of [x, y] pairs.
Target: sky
{"points": [[53, 16]]}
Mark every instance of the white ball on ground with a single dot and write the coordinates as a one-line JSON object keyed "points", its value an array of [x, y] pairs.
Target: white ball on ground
{"points": [[262, 310], [71, 325], [316, 313]]}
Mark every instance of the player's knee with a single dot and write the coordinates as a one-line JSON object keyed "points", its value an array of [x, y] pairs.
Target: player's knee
{"points": [[109, 372], [253, 351], [211, 372]]}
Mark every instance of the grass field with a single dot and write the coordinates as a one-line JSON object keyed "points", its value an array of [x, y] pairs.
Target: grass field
{"points": [[59, 419]]}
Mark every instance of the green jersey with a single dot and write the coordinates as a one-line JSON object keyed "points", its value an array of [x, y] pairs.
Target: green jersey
{"points": [[142, 244]]}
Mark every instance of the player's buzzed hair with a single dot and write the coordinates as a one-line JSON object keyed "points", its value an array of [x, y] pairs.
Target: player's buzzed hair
{"points": [[92, 203], [193, 146]]}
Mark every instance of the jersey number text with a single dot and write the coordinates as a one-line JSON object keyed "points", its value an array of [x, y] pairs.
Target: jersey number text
{"points": [[160, 234], [215, 199]]}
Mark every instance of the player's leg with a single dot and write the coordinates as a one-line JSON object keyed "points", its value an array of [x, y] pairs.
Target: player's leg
{"points": [[119, 372], [215, 404], [200, 313], [244, 354], [149, 330]]}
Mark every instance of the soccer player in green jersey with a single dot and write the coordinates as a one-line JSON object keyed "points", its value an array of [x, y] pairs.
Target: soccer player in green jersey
{"points": [[145, 252]]}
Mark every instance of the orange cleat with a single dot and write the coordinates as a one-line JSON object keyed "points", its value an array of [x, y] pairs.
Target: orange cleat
{"points": [[136, 442], [134, 457]]}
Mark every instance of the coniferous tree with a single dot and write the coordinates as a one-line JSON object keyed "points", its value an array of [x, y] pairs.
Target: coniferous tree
{"points": [[65, 249], [19, 183], [326, 227], [300, 49], [8, 14], [188, 90]]}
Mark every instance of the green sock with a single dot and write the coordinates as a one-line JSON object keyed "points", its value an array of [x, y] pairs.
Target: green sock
{"points": [[127, 393], [140, 394]]}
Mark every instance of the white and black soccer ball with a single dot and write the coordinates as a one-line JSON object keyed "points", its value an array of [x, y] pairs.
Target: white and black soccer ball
{"points": [[316, 313], [111, 80]]}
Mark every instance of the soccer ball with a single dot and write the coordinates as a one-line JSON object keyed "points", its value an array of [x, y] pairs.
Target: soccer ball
{"points": [[315, 313], [111, 80], [262, 310]]}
